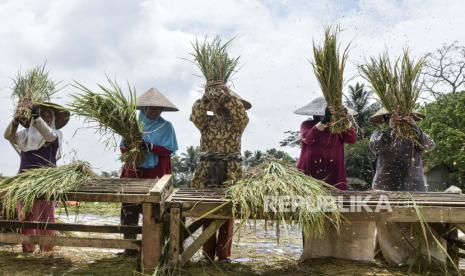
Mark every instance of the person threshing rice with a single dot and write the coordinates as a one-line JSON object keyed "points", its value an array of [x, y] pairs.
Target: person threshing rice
{"points": [[322, 157], [39, 145], [400, 168], [159, 143], [221, 117], [322, 152]]}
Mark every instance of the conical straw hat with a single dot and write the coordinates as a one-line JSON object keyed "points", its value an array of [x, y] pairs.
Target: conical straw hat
{"points": [[317, 108], [61, 114], [155, 98], [378, 117]]}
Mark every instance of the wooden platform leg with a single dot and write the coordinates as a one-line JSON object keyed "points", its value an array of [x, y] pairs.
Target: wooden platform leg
{"points": [[151, 239], [175, 233], [201, 240]]}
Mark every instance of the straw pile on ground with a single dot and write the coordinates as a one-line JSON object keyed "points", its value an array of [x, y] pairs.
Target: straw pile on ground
{"points": [[112, 114], [328, 65], [397, 86], [259, 193], [48, 183], [34, 87]]}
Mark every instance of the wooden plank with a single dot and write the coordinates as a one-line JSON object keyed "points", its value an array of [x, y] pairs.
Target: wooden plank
{"points": [[191, 229], [175, 224], [201, 240], [164, 185], [70, 227], [70, 241], [151, 240], [399, 214], [461, 227], [96, 197]]}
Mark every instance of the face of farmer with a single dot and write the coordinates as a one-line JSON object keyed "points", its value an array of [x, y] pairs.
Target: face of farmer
{"points": [[47, 116], [152, 112]]}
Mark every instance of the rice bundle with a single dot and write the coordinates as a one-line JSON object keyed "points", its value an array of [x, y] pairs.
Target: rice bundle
{"points": [[111, 113], [34, 87], [215, 64], [260, 190], [328, 65], [47, 183], [397, 86]]}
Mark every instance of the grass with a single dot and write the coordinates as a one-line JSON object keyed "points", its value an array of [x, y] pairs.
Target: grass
{"points": [[273, 179], [48, 183], [398, 86], [32, 88], [328, 65], [111, 113]]}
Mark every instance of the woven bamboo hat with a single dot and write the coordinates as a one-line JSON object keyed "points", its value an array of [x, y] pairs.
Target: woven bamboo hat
{"points": [[155, 98], [61, 114], [378, 117], [317, 108]]}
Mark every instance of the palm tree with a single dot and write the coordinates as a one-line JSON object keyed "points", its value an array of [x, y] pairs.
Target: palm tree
{"points": [[358, 99], [190, 159]]}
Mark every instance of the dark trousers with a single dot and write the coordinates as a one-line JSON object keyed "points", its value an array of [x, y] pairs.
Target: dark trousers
{"points": [[221, 244], [130, 213]]}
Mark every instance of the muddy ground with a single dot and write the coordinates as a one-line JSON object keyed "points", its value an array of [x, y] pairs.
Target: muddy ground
{"points": [[255, 252]]}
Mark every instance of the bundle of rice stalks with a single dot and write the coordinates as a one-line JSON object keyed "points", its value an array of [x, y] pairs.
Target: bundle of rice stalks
{"points": [[216, 65], [277, 191], [47, 183], [32, 88], [213, 60], [328, 64], [111, 113], [397, 86]]}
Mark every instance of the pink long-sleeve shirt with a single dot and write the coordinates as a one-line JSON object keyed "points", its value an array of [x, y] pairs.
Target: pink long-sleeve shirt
{"points": [[322, 154]]}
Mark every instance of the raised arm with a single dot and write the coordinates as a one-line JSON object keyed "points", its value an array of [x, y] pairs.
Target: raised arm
{"points": [[10, 132], [237, 112], [199, 114], [349, 136], [47, 132]]}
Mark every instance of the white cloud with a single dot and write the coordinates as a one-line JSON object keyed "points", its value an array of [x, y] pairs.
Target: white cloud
{"points": [[146, 43]]}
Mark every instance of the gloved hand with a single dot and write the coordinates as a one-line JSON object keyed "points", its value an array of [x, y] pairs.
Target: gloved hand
{"points": [[327, 117], [35, 111], [144, 145]]}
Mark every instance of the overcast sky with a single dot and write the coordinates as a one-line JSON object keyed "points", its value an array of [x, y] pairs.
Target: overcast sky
{"points": [[147, 42]]}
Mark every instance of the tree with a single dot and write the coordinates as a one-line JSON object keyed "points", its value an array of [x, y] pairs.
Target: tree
{"points": [[444, 70], [360, 163], [292, 140], [112, 174], [358, 99], [445, 123], [184, 165]]}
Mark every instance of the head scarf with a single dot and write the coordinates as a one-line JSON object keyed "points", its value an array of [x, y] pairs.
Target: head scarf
{"points": [[30, 139], [159, 132]]}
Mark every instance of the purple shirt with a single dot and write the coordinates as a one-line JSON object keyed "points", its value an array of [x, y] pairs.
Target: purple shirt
{"points": [[43, 157]]}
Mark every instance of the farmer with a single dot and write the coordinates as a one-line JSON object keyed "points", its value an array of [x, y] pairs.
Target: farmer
{"points": [[322, 153], [159, 143], [39, 145], [400, 168], [221, 117], [322, 157]]}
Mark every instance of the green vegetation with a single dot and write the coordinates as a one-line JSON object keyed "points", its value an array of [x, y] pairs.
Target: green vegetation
{"points": [[328, 64], [48, 183], [445, 123], [111, 113]]}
